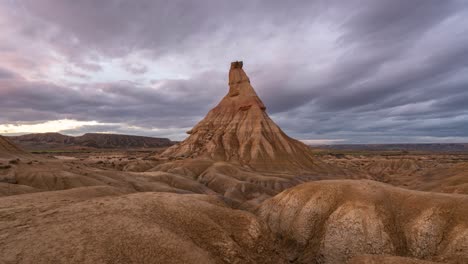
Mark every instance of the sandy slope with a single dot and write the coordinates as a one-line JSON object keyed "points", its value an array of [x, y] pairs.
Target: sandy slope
{"points": [[84, 210], [104, 225]]}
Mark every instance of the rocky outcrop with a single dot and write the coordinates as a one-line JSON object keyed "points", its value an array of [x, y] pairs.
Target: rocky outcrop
{"points": [[333, 221], [43, 138], [239, 130], [8, 150]]}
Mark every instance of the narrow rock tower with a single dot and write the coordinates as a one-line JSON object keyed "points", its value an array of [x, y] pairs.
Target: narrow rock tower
{"points": [[239, 130]]}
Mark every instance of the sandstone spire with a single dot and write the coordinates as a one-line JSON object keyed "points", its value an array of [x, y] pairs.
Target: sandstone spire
{"points": [[239, 130]]}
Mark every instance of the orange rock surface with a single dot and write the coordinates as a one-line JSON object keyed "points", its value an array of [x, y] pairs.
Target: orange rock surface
{"points": [[239, 130]]}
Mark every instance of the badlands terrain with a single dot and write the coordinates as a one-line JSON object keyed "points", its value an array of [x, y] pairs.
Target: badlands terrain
{"points": [[236, 190]]}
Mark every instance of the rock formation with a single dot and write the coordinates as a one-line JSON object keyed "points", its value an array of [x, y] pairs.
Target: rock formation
{"points": [[333, 221], [9, 150], [239, 130]]}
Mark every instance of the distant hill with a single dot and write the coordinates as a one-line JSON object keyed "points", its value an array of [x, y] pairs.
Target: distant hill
{"points": [[45, 141], [433, 147]]}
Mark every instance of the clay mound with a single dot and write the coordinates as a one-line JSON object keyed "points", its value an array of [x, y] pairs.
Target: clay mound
{"points": [[239, 130], [8, 150], [246, 188], [178, 181], [450, 180], [200, 178], [109, 227], [436, 172], [332, 221], [189, 167], [7, 189], [50, 175]]}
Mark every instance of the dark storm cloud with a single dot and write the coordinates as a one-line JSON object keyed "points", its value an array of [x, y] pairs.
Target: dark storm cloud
{"points": [[375, 71], [118, 27], [380, 34], [169, 103], [383, 22]]}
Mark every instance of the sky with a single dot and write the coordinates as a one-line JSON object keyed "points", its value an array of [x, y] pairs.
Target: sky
{"points": [[331, 71]]}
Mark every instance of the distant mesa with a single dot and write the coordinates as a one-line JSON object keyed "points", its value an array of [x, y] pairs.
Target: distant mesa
{"points": [[239, 130], [41, 141]]}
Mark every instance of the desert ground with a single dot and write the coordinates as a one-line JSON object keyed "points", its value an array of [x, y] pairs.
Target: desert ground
{"points": [[237, 190]]}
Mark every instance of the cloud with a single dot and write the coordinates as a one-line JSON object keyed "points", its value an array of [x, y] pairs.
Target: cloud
{"points": [[49, 126], [162, 105], [364, 71], [135, 68], [6, 74]]}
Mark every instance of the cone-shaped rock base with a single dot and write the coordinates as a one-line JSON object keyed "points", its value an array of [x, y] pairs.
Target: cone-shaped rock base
{"points": [[239, 130]]}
